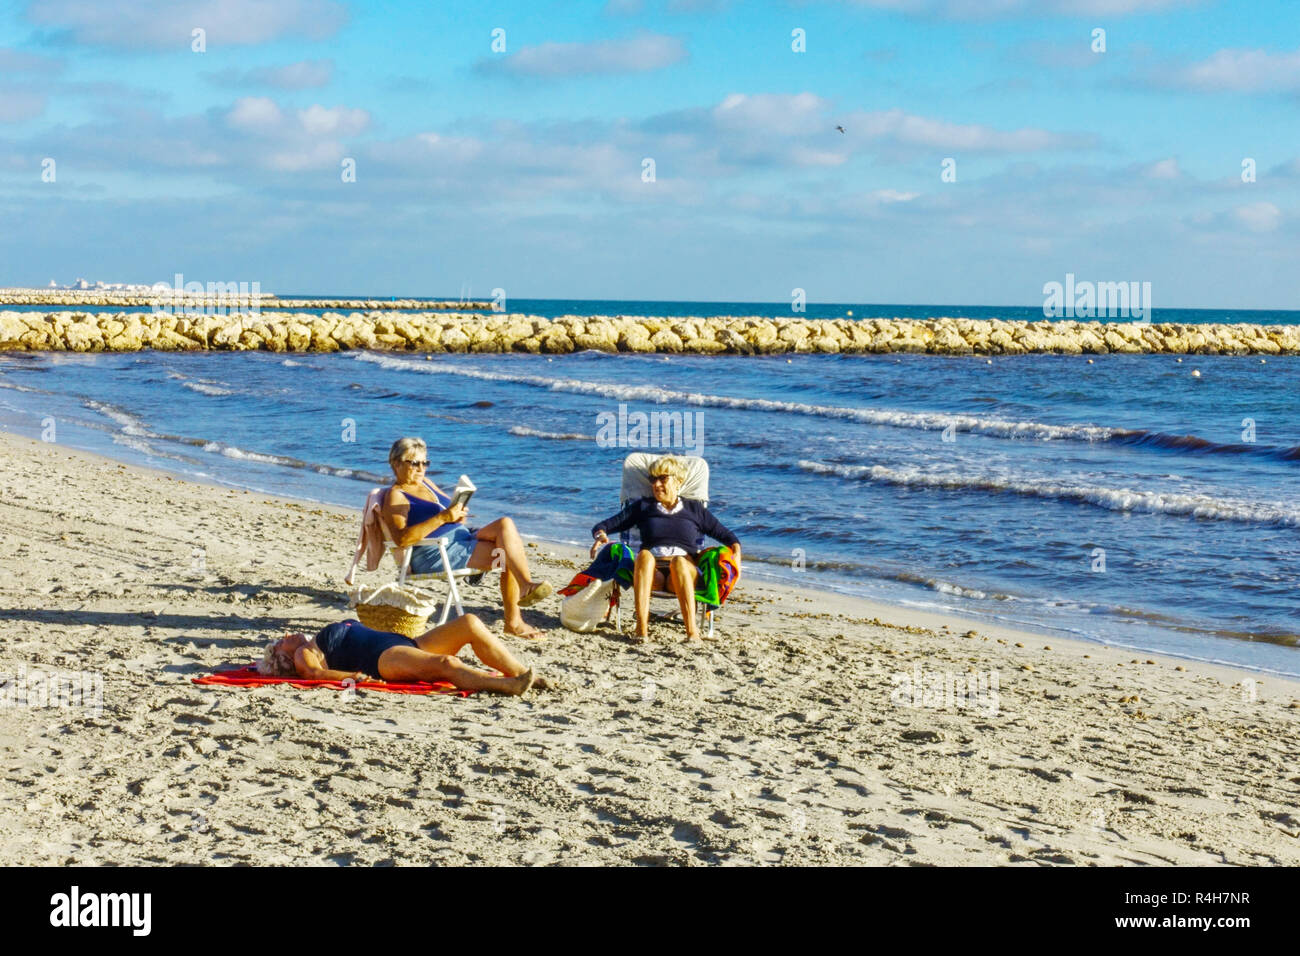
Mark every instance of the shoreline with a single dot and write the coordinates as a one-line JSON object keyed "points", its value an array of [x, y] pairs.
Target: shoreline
{"points": [[455, 332], [883, 610], [889, 615], [797, 736]]}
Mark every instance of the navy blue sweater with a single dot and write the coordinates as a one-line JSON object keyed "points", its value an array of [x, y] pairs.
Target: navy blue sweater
{"points": [[660, 530]]}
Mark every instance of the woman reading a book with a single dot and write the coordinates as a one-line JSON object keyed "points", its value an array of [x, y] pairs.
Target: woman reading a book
{"points": [[417, 511]]}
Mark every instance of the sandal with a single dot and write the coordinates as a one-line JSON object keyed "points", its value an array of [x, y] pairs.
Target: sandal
{"points": [[539, 592]]}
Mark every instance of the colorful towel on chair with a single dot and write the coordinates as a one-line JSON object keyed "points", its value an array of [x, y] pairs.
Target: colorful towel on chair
{"points": [[612, 561], [718, 575], [249, 677], [718, 572]]}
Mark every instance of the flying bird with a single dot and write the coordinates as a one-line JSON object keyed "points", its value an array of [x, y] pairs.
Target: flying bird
{"points": [[840, 128]]}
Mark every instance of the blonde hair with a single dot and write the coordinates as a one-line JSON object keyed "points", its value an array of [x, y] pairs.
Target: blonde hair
{"points": [[403, 445], [668, 465], [276, 662]]}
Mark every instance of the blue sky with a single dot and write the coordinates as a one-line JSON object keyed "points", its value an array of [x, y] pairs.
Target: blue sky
{"points": [[523, 169]]}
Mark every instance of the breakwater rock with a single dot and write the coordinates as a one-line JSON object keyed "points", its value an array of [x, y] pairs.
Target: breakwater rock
{"points": [[213, 302], [500, 332]]}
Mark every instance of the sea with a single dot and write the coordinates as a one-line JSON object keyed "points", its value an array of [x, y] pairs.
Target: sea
{"points": [[1138, 501]]}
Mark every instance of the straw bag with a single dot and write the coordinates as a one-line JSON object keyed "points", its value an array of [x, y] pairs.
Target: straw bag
{"points": [[396, 608]]}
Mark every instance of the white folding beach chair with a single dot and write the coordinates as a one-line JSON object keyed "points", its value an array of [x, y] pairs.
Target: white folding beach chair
{"points": [[402, 558], [636, 484]]}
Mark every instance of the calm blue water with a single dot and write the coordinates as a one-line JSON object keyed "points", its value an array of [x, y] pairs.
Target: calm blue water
{"points": [[838, 462], [550, 308]]}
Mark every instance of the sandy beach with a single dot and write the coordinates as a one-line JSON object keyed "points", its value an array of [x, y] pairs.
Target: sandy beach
{"points": [[794, 737]]}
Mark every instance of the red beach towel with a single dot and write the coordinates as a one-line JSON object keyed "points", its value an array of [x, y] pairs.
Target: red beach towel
{"points": [[249, 677]]}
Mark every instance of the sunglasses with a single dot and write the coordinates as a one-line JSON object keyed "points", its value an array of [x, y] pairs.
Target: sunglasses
{"points": [[417, 464], [655, 479]]}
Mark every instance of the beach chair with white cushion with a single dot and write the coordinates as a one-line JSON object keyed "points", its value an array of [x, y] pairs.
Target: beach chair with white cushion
{"points": [[447, 577], [636, 484]]}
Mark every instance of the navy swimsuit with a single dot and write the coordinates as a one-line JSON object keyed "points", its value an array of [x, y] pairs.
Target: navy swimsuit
{"points": [[351, 646]]}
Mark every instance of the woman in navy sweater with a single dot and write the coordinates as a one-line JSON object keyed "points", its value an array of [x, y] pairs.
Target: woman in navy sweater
{"points": [[669, 527]]}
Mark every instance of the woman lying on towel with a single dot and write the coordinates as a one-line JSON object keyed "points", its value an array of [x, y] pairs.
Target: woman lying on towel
{"points": [[418, 511], [669, 527], [350, 651]]}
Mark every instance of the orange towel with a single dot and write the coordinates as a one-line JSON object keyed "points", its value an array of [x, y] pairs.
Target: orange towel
{"points": [[249, 677]]}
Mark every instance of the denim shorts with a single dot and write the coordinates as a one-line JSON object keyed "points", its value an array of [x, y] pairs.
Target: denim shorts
{"points": [[460, 542]]}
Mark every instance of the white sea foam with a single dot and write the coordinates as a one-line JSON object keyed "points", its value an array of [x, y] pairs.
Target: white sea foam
{"points": [[204, 388], [129, 424], [929, 421], [239, 454], [242, 454], [945, 587], [554, 436], [1113, 499]]}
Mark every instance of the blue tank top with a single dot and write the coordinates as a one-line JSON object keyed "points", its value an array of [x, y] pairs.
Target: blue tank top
{"points": [[421, 510], [351, 646]]}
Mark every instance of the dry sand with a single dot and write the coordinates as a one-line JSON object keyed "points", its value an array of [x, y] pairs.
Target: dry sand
{"points": [[783, 741]]}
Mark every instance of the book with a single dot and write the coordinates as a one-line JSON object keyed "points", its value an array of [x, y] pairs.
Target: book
{"points": [[463, 491]]}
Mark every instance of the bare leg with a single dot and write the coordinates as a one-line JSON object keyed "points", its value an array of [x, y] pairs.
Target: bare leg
{"points": [[683, 581], [514, 621], [643, 582], [449, 638], [500, 543], [411, 664]]}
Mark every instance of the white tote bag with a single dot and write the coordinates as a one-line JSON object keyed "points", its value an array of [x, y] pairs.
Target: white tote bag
{"points": [[581, 612]]}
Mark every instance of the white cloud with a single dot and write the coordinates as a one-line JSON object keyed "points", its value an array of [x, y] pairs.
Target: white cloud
{"points": [[293, 140], [167, 24], [256, 114], [1258, 216], [1164, 169], [908, 129], [318, 120], [636, 54], [777, 113], [263, 116], [892, 195], [1242, 71]]}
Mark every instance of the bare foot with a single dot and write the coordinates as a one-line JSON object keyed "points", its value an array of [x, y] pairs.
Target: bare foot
{"points": [[526, 631], [639, 638], [519, 685]]}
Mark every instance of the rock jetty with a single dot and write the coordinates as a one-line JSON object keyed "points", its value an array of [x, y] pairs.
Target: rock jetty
{"points": [[501, 332], [213, 302]]}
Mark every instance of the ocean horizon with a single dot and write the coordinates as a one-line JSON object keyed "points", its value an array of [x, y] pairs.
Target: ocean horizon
{"points": [[553, 308]]}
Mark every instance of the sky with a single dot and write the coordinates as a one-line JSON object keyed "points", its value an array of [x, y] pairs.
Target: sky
{"points": [[657, 149]]}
